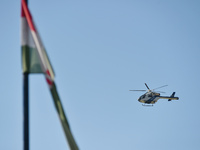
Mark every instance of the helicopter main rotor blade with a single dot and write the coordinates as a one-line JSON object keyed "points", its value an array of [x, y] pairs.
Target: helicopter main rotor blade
{"points": [[160, 87], [138, 90], [160, 91], [147, 86]]}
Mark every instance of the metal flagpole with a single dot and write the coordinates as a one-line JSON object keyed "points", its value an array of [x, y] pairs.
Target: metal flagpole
{"points": [[26, 111], [26, 108]]}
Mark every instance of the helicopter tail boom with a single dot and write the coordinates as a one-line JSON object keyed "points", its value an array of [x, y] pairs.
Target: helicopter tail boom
{"points": [[170, 98]]}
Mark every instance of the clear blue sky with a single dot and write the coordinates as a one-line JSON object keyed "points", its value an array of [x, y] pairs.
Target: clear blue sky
{"points": [[100, 50]]}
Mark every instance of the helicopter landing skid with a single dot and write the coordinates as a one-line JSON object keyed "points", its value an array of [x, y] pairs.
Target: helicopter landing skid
{"points": [[147, 105]]}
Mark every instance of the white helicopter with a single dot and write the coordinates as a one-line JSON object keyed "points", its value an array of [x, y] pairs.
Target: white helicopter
{"points": [[151, 97]]}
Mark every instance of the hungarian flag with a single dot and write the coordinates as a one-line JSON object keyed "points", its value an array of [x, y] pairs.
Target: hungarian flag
{"points": [[35, 60]]}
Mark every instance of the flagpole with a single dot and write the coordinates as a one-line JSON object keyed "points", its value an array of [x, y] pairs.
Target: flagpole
{"points": [[26, 110], [26, 107]]}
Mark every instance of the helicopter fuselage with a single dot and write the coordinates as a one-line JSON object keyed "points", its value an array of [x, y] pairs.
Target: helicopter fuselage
{"points": [[153, 97], [149, 98]]}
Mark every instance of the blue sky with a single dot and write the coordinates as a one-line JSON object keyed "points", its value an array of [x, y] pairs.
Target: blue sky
{"points": [[99, 51]]}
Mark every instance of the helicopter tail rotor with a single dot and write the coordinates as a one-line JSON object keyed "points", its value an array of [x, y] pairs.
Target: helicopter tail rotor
{"points": [[172, 96]]}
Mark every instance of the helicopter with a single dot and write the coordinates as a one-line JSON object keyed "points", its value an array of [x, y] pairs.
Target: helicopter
{"points": [[151, 97]]}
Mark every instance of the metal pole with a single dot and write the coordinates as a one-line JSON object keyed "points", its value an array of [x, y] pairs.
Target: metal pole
{"points": [[26, 111]]}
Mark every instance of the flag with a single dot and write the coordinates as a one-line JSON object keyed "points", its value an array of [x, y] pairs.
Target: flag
{"points": [[34, 56], [35, 60], [30, 58]]}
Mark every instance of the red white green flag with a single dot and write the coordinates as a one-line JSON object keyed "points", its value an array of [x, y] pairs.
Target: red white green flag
{"points": [[35, 60]]}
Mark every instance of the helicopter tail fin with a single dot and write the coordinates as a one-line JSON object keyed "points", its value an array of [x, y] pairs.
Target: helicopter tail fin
{"points": [[171, 96]]}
